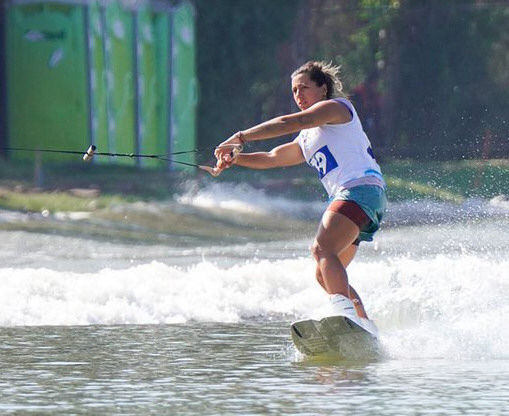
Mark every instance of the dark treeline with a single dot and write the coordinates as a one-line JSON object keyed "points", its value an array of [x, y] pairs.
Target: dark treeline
{"points": [[430, 78]]}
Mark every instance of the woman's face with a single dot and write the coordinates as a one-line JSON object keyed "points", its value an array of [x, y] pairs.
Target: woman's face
{"points": [[306, 92]]}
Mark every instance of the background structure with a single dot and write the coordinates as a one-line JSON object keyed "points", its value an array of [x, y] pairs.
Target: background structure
{"points": [[117, 74]]}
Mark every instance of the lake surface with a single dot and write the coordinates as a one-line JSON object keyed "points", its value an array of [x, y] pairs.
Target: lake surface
{"points": [[117, 322]]}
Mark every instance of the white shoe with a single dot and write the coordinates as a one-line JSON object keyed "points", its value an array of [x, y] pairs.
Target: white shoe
{"points": [[343, 306], [369, 326]]}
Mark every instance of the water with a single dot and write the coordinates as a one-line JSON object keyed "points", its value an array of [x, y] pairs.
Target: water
{"points": [[103, 315], [226, 369]]}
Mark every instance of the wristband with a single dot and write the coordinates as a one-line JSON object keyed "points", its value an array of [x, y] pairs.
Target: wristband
{"points": [[240, 135]]}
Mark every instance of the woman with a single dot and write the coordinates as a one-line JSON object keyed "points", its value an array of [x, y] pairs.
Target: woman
{"points": [[332, 140]]}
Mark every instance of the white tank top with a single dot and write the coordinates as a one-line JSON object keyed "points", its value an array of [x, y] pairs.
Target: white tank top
{"points": [[341, 153]]}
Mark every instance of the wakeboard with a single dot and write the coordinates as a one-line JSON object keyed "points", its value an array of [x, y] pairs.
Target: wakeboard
{"points": [[334, 335]]}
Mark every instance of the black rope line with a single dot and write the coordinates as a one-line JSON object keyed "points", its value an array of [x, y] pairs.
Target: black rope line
{"points": [[76, 152], [91, 152]]}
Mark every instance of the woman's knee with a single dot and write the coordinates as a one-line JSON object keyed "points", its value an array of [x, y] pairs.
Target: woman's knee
{"points": [[319, 251]]}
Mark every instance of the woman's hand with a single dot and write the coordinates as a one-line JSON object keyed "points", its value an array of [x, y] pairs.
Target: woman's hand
{"points": [[227, 153], [221, 165], [227, 150], [225, 162]]}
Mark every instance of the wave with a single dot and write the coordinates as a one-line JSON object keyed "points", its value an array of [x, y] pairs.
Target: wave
{"points": [[444, 306], [435, 280], [229, 209], [246, 199]]}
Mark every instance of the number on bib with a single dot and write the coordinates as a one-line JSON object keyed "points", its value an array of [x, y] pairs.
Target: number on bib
{"points": [[323, 161]]}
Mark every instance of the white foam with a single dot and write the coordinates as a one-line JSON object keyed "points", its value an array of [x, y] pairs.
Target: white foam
{"points": [[148, 294], [444, 306], [501, 202], [243, 198]]}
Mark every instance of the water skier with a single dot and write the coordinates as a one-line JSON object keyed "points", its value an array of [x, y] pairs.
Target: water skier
{"points": [[332, 140]]}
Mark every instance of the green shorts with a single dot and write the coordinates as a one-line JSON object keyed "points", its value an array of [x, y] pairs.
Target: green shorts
{"points": [[373, 201]]}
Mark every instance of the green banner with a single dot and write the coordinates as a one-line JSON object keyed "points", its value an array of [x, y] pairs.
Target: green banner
{"points": [[153, 55], [112, 74], [47, 79], [119, 63], [162, 30], [97, 76], [184, 96]]}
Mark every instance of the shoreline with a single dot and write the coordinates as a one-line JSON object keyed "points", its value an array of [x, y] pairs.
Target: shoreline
{"points": [[27, 187]]}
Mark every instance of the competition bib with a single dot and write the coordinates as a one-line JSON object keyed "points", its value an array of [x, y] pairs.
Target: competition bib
{"points": [[323, 161]]}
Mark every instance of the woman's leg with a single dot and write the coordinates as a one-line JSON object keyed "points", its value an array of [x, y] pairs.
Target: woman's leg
{"points": [[346, 258], [318, 275], [357, 302], [335, 234]]}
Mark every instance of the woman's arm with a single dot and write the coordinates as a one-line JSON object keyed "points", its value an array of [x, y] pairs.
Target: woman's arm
{"points": [[288, 154], [323, 112]]}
